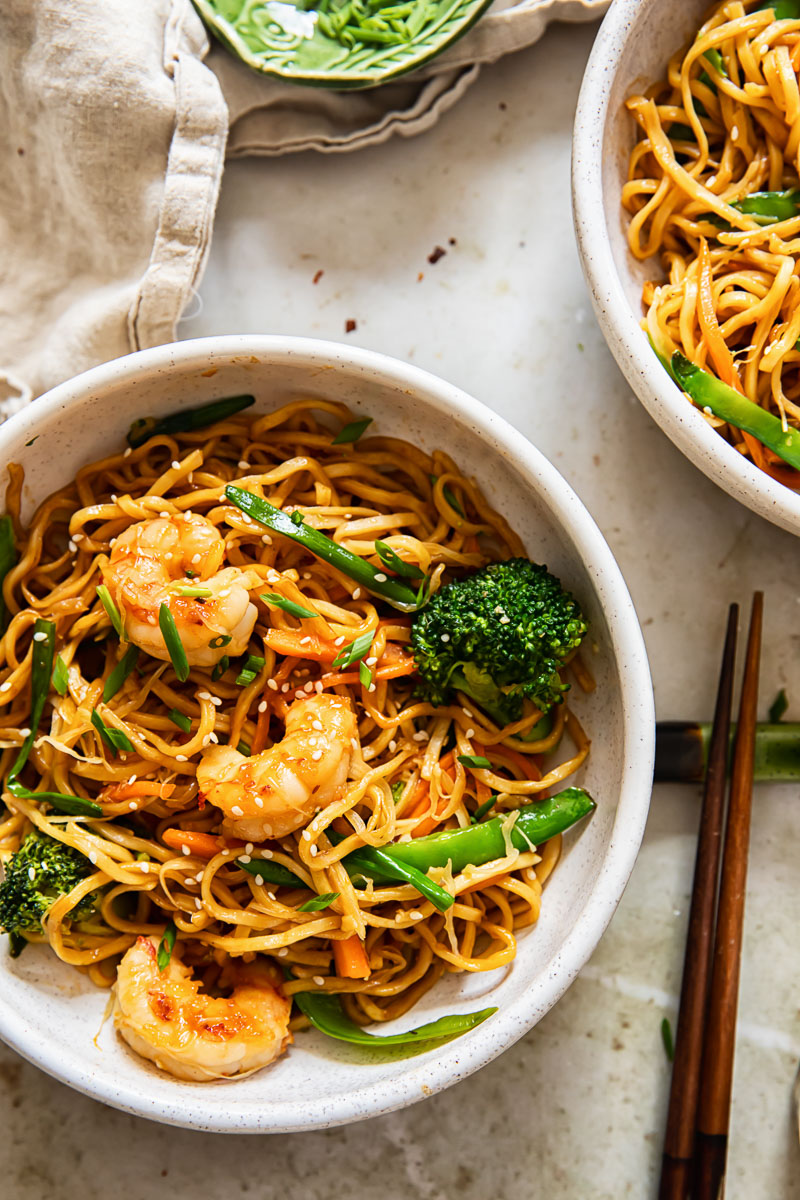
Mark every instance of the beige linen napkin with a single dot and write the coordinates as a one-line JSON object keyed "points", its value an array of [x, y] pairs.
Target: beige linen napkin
{"points": [[113, 133], [113, 137]]}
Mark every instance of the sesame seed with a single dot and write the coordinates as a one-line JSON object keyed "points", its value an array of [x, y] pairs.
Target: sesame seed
{"points": [[237, 812], [306, 574], [259, 802], [185, 849], [245, 858], [212, 737], [176, 466], [225, 853], [415, 916], [318, 688], [113, 542], [273, 687], [319, 981], [284, 688], [164, 514], [317, 755], [271, 895], [244, 464], [224, 593], [505, 620], [72, 546], [470, 733], [282, 952], [266, 539], [216, 701], [248, 848], [199, 877], [317, 725], [181, 758], [266, 853], [260, 880], [31, 874], [312, 850], [132, 806], [5, 687], [196, 558], [306, 836], [371, 687], [734, 133], [466, 712], [25, 732], [198, 902], [127, 452], [113, 498], [308, 687], [421, 736], [392, 746], [304, 641], [445, 637], [40, 637], [348, 516], [262, 706], [204, 695], [339, 641], [92, 858], [371, 661]]}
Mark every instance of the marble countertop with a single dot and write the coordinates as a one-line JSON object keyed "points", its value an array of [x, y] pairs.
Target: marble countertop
{"points": [[576, 1109]]}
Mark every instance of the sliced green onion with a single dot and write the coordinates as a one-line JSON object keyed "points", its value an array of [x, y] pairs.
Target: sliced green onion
{"points": [[8, 557], [42, 654], [397, 790], [180, 719], [111, 610], [244, 749], [115, 739], [356, 650], [351, 432], [475, 760], [166, 946], [271, 872], [784, 10], [73, 806], [221, 667], [289, 606], [250, 669], [777, 710], [199, 593], [188, 419], [395, 593], [364, 675], [395, 563], [122, 670], [483, 809], [224, 639], [166, 623], [60, 676], [326, 1014], [318, 902]]}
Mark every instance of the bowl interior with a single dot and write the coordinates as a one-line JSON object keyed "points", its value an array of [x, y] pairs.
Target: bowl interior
{"points": [[631, 52], [51, 1014]]}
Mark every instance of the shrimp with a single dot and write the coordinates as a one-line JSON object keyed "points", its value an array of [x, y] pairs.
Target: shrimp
{"points": [[149, 562], [163, 1016], [275, 792]]}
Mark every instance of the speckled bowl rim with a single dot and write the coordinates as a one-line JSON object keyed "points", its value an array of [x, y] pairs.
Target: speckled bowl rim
{"points": [[665, 402], [458, 1059]]}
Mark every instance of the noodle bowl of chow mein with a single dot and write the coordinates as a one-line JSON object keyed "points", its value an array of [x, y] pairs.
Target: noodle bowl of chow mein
{"points": [[326, 732], [685, 191]]}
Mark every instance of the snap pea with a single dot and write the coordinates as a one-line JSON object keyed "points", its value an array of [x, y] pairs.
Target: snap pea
{"points": [[397, 594], [711, 393], [326, 1014]]}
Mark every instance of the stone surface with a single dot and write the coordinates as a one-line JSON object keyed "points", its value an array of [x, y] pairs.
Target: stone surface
{"points": [[576, 1109]]}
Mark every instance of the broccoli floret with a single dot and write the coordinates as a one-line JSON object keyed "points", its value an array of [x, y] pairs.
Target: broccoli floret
{"points": [[499, 635], [41, 870]]}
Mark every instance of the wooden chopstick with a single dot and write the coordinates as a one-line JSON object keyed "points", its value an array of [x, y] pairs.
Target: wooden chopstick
{"points": [[679, 1139], [720, 1037]]}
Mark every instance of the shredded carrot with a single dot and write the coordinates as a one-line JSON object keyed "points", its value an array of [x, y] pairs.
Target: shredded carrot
{"points": [[715, 342], [294, 643], [429, 821], [484, 883], [203, 845], [350, 958]]}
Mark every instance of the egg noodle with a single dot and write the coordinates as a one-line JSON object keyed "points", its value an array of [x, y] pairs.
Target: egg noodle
{"points": [[160, 850], [724, 126]]}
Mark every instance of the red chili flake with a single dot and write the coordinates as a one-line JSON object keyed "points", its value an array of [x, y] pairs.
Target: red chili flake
{"points": [[349, 325], [437, 253], [318, 276]]}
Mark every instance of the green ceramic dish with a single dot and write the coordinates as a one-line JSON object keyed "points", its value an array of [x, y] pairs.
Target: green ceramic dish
{"points": [[340, 44]]}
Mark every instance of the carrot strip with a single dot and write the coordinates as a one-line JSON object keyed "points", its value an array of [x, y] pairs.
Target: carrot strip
{"points": [[715, 342], [484, 883], [203, 845], [295, 644], [350, 958], [428, 823]]}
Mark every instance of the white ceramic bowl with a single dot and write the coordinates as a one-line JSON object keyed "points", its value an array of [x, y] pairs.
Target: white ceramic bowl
{"points": [[631, 51], [51, 1014]]}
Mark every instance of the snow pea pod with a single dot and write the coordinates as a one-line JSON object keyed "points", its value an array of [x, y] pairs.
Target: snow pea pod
{"points": [[326, 1014]]}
